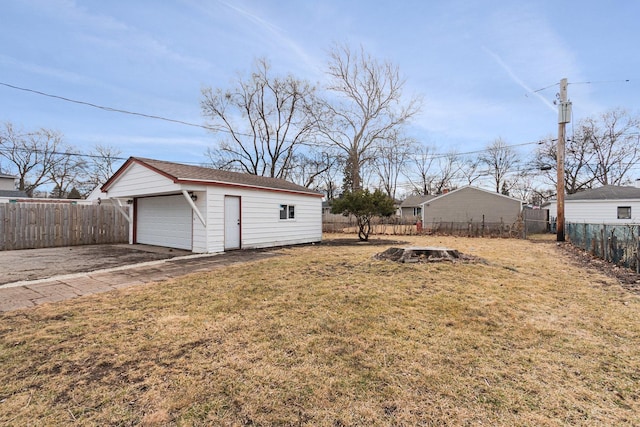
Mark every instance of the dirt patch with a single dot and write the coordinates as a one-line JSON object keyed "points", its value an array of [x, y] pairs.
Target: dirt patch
{"points": [[628, 278], [32, 264], [426, 254]]}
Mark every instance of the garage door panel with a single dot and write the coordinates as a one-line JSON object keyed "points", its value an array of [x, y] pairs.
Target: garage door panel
{"points": [[164, 221]]}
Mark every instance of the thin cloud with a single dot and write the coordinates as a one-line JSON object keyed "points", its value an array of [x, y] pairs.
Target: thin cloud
{"points": [[517, 80], [107, 31], [277, 32], [57, 73]]}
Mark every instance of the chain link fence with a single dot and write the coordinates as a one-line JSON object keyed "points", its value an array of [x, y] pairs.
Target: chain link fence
{"points": [[619, 244]]}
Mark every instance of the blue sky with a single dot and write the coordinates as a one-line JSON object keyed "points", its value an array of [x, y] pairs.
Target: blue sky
{"points": [[477, 65]]}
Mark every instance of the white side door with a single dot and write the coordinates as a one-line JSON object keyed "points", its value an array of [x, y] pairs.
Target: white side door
{"points": [[232, 224]]}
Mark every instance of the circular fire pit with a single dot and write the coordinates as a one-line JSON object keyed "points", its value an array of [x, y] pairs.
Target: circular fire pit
{"points": [[423, 254]]}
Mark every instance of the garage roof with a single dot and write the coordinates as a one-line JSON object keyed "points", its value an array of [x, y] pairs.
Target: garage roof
{"points": [[190, 174], [606, 192]]}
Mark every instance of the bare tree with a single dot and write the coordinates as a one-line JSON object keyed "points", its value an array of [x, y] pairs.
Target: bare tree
{"points": [[524, 186], [309, 168], [422, 162], [265, 119], [329, 182], [500, 160], [391, 161], [31, 155], [613, 139], [368, 109], [469, 170], [67, 172], [448, 166], [602, 151], [102, 163], [577, 173]]}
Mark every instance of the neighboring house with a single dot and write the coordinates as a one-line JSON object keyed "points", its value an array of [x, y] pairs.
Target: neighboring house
{"points": [[326, 207], [471, 204], [552, 207], [411, 207], [610, 204], [11, 195], [8, 192], [96, 195], [7, 182], [207, 210]]}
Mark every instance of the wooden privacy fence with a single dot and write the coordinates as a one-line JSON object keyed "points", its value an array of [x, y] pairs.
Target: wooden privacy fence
{"points": [[44, 225], [536, 221]]}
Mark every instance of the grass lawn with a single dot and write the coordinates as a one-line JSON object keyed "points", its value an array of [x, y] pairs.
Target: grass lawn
{"points": [[326, 335]]}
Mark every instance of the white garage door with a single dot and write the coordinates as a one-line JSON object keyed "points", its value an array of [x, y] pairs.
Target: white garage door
{"points": [[164, 221]]}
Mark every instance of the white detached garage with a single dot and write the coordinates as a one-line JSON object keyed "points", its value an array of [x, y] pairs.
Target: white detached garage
{"points": [[208, 210]]}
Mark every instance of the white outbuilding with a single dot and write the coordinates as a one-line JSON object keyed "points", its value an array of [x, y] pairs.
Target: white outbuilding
{"points": [[609, 204], [207, 210]]}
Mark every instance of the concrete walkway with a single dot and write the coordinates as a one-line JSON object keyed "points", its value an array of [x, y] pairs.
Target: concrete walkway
{"points": [[24, 294]]}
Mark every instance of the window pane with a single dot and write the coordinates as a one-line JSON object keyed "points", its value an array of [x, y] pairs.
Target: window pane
{"points": [[292, 213], [283, 211], [624, 212]]}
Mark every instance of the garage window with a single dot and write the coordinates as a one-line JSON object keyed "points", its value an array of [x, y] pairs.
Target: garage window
{"points": [[287, 212], [624, 212]]}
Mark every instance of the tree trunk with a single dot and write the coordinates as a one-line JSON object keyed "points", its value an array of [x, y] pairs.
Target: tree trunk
{"points": [[364, 228]]}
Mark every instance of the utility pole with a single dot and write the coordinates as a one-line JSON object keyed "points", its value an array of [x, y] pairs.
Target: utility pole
{"points": [[564, 117]]}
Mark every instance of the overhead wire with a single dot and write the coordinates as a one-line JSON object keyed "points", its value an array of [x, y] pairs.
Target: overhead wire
{"points": [[600, 81], [111, 109], [167, 119], [182, 122]]}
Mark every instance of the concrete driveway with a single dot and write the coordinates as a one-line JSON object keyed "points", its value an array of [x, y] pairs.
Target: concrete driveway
{"points": [[32, 277], [32, 264]]}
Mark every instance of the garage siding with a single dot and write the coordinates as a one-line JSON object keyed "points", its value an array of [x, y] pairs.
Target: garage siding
{"points": [[156, 221], [260, 218], [141, 180], [471, 204], [199, 233], [600, 211]]}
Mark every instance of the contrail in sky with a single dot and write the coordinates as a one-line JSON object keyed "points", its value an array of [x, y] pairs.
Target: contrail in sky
{"points": [[516, 79]]}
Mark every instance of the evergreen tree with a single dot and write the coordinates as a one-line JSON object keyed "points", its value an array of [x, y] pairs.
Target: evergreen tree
{"points": [[364, 205], [74, 194]]}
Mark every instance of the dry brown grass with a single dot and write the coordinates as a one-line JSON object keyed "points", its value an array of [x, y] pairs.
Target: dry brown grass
{"points": [[325, 335]]}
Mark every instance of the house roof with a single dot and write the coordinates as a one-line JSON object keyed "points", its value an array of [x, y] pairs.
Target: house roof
{"points": [[492, 193], [7, 176], [189, 174], [415, 201], [13, 193], [607, 192]]}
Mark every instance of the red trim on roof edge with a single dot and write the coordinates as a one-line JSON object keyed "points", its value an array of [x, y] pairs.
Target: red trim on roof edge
{"points": [[176, 180], [250, 187], [116, 175]]}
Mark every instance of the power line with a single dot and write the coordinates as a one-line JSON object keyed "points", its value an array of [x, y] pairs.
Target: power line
{"points": [[156, 117], [583, 83], [8, 150], [601, 81], [111, 109], [58, 153], [133, 113], [443, 155], [545, 88]]}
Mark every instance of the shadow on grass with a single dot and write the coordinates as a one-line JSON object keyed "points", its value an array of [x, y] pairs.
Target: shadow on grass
{"points": [[354, 241]]}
